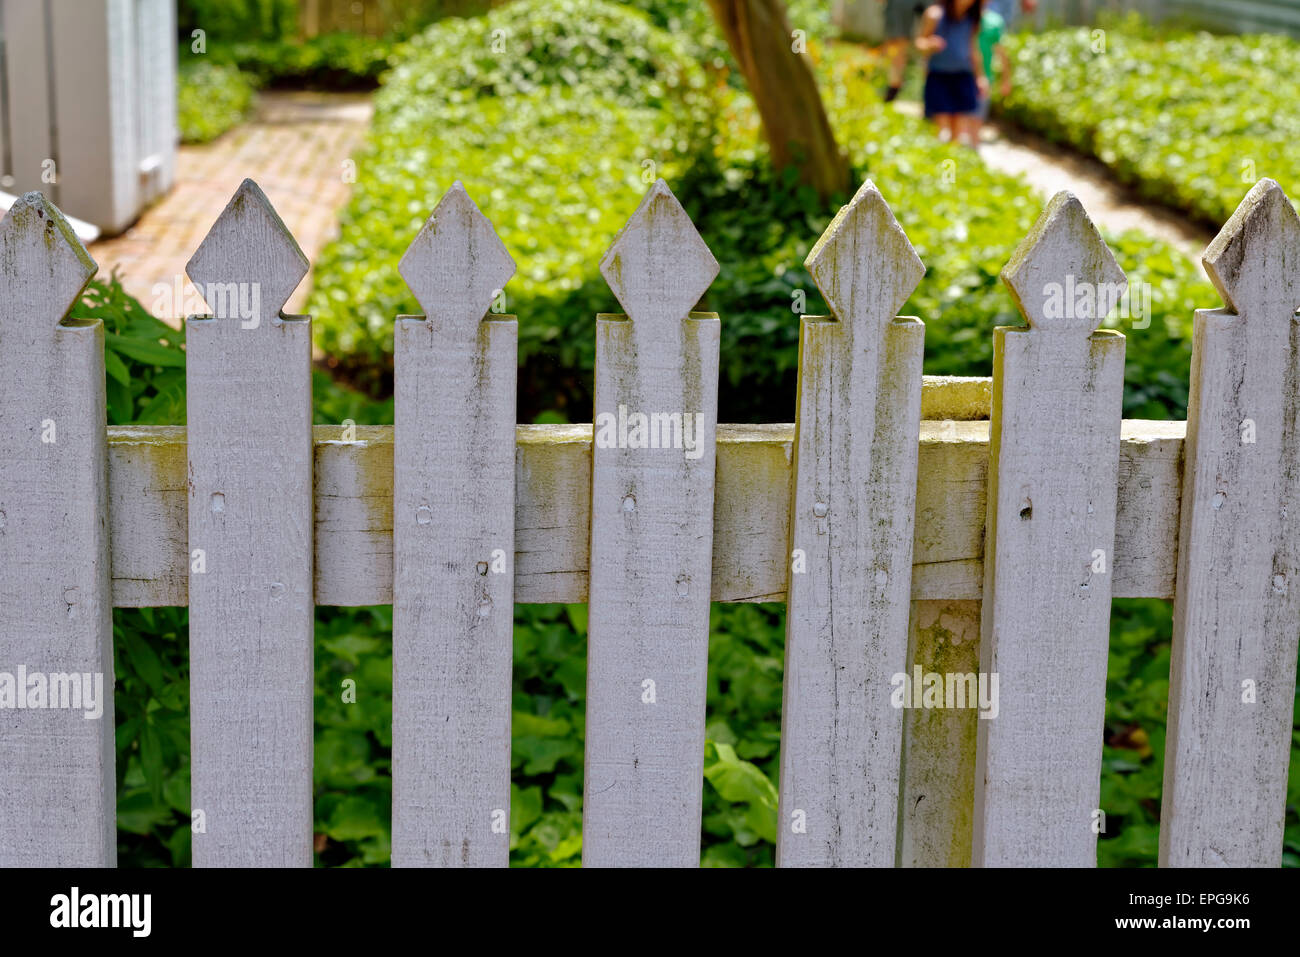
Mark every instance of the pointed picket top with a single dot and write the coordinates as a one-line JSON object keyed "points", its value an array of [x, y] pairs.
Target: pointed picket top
{"points": [[1254, 261], [1063, 276], [43, 265], [249, 245], [456, 264], [658, 267], [863, 263]]}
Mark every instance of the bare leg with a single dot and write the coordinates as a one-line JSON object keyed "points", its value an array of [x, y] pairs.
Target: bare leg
{"points": [[898, 62], [896, 50]]}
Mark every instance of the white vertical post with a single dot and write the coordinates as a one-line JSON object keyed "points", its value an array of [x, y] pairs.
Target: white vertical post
{"points": [[1237, 604], [1049, 548], [248, 377], [651, 544], [57, 786], [453, 546], [854, 496]]}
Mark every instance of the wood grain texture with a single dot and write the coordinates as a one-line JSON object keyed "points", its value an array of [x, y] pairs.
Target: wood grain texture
{"points": [[651, 548], [354, 513], [57, 784], [936, 811], [248, 383], [1237, 610], [453, 546], [853, 504], [1053, 476]]}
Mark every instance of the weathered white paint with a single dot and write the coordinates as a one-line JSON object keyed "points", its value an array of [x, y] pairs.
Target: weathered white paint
{"points": [[1050, 552], [1237, 611], [250, 512], [852, 510], [57, 786], [453, 546], [354, 513], [651, 548]]}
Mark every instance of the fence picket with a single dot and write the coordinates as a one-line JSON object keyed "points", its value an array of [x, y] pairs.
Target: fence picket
{"points": [[651, 545], [1049, 549], [1005, 540], [58, 790], [852, 509], [453, 546], [1237, 605], [248, 380]]}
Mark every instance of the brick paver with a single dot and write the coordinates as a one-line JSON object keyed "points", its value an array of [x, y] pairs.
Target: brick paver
{"points": [[294, 148]]}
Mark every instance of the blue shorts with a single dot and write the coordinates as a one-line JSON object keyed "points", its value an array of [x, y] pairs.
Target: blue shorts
{"points": [[950, 92]]}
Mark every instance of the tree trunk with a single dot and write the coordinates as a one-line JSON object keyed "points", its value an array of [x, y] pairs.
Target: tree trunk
{"points": [[781, 82]]}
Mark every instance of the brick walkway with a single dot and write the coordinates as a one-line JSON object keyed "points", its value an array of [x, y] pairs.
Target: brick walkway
{"points": [[294, 148]]}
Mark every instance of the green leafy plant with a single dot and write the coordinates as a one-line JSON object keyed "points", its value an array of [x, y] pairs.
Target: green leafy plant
{"points": [[238, 19], [1190, 120], [211, 98], [330, 61]]}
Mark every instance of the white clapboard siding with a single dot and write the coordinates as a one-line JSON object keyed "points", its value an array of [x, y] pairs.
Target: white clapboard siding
{"points": [[248, 376], [27, 66], [651, 546], [453, 546], [1050, 548], [852, 510], [57, 785], [91, 103], [1237, 610]]}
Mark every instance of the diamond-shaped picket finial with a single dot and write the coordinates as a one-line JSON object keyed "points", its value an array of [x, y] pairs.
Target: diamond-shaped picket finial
{"points": [[1254, 261], [43, 266], [456, 264], [1062, 275], [863, 263], [250, 246], [658, 267]]}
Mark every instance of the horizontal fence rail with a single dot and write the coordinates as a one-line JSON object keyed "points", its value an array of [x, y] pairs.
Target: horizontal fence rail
{"points": [[354, 509], [973, 530]]}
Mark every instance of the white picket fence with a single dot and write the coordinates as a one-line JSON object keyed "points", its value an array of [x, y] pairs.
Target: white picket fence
{"points": [[882, 546]]}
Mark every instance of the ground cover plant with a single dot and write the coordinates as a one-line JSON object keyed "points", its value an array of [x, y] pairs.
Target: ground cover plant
{"points": [[1191, 120], [210, 99]]}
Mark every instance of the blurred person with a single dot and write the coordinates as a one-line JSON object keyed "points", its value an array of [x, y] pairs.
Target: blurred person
{"points": [[955, 78], [900, 27], [992, 29]]}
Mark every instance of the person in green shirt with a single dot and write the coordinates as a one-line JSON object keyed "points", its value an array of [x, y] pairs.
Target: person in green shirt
{"points": [[992, 28]]}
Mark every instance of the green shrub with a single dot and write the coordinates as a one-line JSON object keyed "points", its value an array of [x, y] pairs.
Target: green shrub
{"points": [[210, 99], [553, 139], [237, 19], [1190, 121], [331, 61]]}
